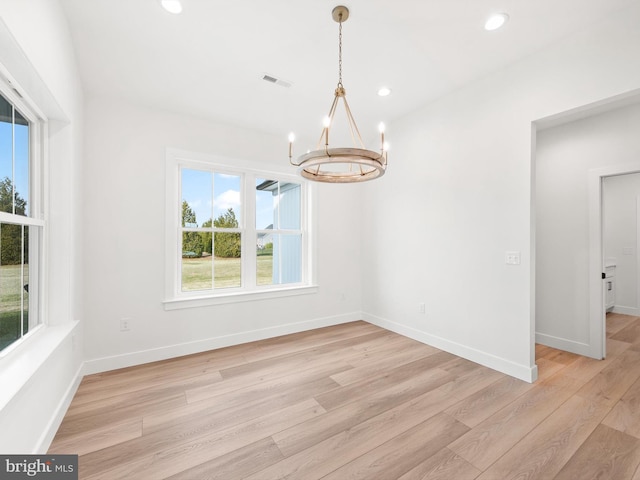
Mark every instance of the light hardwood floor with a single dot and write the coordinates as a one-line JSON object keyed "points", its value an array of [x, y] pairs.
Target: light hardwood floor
{"points": [[357, 402]]}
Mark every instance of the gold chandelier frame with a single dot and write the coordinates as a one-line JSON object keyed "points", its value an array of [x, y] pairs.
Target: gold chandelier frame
{"points": [[342, 164]]}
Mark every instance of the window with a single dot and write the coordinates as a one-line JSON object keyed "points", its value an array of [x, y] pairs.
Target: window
{"points": [[241, 232], [21, 225]]}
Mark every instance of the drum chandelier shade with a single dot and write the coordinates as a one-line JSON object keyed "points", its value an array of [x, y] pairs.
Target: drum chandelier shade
{"points": [[343, 164]]}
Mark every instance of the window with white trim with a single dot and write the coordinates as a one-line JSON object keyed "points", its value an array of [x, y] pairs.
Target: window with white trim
{"points": [[21, 223], [234, 231]]}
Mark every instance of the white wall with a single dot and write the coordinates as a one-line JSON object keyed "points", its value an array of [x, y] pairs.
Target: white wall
{"points": [[124, 220], [458, 192], [620, 196], [42, 375], [564, 156]]}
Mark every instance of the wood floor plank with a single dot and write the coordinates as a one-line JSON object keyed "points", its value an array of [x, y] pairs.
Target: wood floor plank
{"points": [[543, 452], [606, 454], [392, 346], [122, 397], [343, 395], [558, 356], [625, 415], [238, 411], [155, 373], [245, 388], [309, 339], [482, 404], [92, 420], [92, 440], [616, 322], [548, 368], [630, 333], [586, 368], [195, 450], [444, 465], [612, 382], [236, 464], [492, 438], [273, 409], [202, 423], [393, 459], [459, 366], [373, 367], [351, 414], [301, 356], [471, 382], [331, 453]]}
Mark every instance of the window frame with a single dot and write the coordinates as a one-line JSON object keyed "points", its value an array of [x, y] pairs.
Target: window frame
{"points": [[175, 298], [38, 180]]}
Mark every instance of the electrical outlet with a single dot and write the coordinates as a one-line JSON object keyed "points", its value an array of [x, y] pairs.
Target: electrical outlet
{"points": [[512, 258], [421, 308], [125, 324]]}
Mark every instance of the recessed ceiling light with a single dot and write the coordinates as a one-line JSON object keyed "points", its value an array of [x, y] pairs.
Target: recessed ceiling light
{"points": [[384, 91], [496, 21], [172, 6]]}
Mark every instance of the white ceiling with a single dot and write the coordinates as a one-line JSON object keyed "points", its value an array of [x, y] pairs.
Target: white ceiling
{"points": [[209, 60]]}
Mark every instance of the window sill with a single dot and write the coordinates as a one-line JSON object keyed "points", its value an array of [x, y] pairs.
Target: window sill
{"points": [[221, 299], [19, 365]]}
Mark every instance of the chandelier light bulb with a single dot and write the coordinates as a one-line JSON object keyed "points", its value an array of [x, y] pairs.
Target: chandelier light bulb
{"points": [[292, 137], [381, 128], [326, 123], [385, 146]]}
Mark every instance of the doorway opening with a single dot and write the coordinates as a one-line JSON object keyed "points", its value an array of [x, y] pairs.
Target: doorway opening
{"points": [[610, 240], [573, 153]]}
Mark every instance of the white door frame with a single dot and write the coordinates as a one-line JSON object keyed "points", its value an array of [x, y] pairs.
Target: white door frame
{"points": [[597, 325]]}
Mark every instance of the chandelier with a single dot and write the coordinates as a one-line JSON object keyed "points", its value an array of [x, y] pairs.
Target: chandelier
{"points": [[343, 164]]}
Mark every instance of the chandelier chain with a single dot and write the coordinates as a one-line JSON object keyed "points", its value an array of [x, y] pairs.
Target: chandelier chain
{"points": [[340, 53]]}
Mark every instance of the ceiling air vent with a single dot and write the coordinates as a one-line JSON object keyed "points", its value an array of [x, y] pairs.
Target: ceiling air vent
{"points": [[278, 81]]}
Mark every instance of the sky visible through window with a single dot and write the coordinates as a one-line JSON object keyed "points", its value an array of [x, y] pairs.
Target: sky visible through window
{"points": [[224, 193], [21, 179]]}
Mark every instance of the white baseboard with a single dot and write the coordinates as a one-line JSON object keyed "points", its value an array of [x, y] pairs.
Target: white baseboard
{"points": [[626, 310], [145, 356], [564, 344], [53, 425], [523, 372]]}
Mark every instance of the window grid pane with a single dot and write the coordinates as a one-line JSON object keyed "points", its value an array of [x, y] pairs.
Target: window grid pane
{"points": [[18, 309], [14, 160], [228, 263], [196, 268]]}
